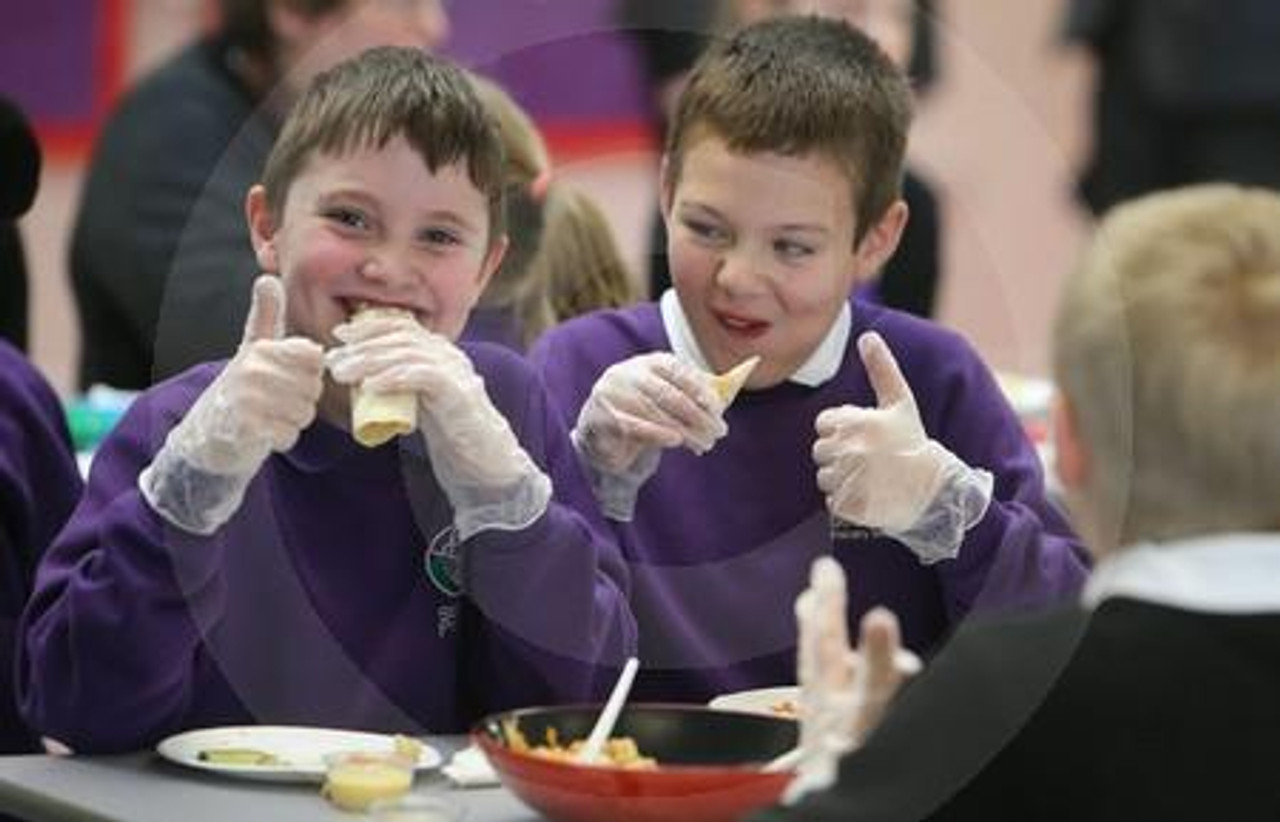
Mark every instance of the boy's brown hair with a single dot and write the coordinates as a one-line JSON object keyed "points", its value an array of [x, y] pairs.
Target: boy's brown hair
{"points": [[796, 85], [384, 93]]}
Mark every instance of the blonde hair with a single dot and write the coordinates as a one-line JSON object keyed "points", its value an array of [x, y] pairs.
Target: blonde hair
{"points": [[1167, 344], [579, 258], [562, 259]]}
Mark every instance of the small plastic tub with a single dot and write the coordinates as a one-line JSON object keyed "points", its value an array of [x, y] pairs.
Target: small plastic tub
{"points": [[355, 780]]}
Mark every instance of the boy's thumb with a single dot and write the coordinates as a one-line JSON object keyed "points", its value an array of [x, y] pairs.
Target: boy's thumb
{"points": [[266, 312], [882, 370]]}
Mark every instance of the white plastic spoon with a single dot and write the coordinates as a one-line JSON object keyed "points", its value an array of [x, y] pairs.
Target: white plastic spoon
{"points": [[591, 750]]}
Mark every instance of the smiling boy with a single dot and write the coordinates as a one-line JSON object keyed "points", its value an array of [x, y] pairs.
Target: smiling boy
{"points": [[239, 558], [780, 187]]}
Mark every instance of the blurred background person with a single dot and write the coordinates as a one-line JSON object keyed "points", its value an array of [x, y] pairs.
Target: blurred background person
{"points": [[562, 257], [19, 178], [579, 259], [1185, 92], [160, 261]]}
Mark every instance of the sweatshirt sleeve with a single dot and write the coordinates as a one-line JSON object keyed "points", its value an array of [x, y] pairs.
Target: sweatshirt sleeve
{"points": [[39, 486], [553, 595], [1022, 553], [109, 644]]}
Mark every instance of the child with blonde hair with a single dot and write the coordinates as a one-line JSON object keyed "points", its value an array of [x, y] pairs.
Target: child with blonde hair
{"points": [[1153, 695], [563, 259]]}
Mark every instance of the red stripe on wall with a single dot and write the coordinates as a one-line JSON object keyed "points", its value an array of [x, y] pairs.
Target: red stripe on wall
{"points": [[111, 49], [570, 141]]}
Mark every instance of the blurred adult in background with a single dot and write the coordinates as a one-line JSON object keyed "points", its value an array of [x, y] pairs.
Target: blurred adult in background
{"points": [[161, 264], [1187, 92], [1154, 696], [562, 257], [19, 178]]}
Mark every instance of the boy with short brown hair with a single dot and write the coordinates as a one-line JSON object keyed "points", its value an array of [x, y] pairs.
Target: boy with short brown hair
{"points": [[240, 558], [780, 192]]}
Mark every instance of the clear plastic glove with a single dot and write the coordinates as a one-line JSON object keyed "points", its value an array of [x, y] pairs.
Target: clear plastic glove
{"points": [[489, 478], [263, 399], [637, 408], [843, 693], [879, 468]]}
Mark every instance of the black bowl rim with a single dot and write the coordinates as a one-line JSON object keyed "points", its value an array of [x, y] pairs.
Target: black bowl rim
{"points": [[479, 734]]}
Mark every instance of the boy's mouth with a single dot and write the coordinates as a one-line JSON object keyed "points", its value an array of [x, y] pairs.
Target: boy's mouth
{"points": [[351, 306], [740, 327]]}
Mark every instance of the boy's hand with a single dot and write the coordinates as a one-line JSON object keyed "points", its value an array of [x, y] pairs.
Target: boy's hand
{"points": [[488, 476], [648, 402], [264, 397], [843, 693], [878, 467]]}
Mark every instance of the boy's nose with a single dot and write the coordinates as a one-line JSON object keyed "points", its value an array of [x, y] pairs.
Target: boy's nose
{"points": [[386, 269], [740, 271]]}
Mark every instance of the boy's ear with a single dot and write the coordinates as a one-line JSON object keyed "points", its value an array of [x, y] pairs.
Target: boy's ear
{"points": [[1071, 457], [262, 229], [492, 259], [879, 243]]}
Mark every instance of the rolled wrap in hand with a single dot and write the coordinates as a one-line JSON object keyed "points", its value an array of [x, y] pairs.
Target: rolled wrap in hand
{"points": [[377, 417]]}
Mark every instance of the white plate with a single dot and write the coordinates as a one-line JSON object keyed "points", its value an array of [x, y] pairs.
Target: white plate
{"points": [[302, 750], [767, 701]]}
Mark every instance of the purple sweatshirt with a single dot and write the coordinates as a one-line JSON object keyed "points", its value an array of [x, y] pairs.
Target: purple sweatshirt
{"points": [[338, 594], [720, 545], [39, 486]]}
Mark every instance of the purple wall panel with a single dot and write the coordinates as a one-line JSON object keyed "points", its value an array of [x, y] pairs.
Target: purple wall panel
{"points": [[564, 60], [47, 53]]}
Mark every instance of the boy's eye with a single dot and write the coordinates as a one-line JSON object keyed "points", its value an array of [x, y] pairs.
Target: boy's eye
{"points": [[792, 250], [440, 236], [348, 217], [704, 230]]}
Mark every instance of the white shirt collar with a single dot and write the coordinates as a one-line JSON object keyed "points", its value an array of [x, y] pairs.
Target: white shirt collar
{"points": [[822, 365], [1220, 574]]}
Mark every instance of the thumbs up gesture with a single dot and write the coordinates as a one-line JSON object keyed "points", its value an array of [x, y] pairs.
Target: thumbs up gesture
{"points": [[264, 397], [878, 467]]}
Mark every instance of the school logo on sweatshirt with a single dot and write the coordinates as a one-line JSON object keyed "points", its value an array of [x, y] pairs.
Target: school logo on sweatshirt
{"points": [[442, 564]]}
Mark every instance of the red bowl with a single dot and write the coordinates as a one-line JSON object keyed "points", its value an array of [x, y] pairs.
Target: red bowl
{"points": [[708, 764]]}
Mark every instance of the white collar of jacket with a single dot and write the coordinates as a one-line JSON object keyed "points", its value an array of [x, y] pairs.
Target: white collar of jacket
{"points": [[822, 365], [1220, 574]]}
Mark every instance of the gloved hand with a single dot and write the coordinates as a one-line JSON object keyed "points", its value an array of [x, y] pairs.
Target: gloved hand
{"points": [[843, 693], [489, 478], [264, 397], [638, 407], [879, 468]]}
